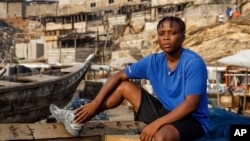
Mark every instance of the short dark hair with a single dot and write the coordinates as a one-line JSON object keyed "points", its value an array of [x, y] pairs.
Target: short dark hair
{"points": [[171, 19]]}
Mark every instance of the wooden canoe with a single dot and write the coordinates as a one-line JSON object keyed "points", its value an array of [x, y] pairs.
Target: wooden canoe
{"points": [[26, 98]]}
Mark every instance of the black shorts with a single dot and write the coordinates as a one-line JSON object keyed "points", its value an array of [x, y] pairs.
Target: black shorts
{"points": [[151, 109]]}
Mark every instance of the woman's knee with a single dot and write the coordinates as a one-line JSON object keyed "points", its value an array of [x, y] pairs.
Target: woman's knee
{"points": [[117, 96], [168, 133], [165, 137], [131, 92], [126, 86]]}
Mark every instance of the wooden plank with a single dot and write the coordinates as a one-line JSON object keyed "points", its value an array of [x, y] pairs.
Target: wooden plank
{"points": [[8, 83], [73, 68], [15, 132], [122, 138], [54, 130], [112, 128], [38, 78], [57, 130]]}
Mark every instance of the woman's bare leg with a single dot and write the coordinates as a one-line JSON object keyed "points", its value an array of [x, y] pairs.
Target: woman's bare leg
{"points": [[126, 90], [167, 133]]}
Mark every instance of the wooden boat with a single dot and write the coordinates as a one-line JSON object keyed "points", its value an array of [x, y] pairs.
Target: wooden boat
{"points": [[26, 98]]}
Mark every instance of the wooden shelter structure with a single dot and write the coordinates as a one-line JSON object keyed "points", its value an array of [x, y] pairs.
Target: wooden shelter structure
{"points": [[239, 67]]}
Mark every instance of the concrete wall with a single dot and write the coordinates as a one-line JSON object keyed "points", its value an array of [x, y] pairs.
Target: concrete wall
{"points": [[42, 9], [15, 9], [3, 10], [76, 6], [165, 2], [30, 51], [66, 2], [100, 29], [49, 46], [196, 2], [58, 26], [80, 27], [36, 49], [67, 55], [71, 9], [18, 9], [21, 50]]}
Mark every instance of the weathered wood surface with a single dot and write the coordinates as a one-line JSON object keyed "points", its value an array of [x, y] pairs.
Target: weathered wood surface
{"points": [[29, 103], [8, 83], [121, 138], [37, 78], [54, 131], [73, 69]]}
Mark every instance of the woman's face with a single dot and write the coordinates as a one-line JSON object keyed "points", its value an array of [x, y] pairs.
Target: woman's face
{"points": [[170, 36]]}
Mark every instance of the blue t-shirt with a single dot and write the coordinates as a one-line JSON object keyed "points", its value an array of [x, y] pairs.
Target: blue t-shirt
{"points": [[171, 88]]}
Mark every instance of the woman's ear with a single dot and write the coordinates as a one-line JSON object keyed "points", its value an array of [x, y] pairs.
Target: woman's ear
{"points": [[183, 37]]}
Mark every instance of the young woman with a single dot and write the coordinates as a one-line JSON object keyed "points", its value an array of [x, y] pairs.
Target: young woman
{"points": [[179, 79]]}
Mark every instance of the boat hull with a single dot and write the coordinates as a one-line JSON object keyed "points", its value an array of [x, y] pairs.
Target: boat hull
{"points": [[29, 102]]}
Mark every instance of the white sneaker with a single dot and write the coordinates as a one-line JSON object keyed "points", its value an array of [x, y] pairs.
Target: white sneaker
{"points": [[67, 118]]}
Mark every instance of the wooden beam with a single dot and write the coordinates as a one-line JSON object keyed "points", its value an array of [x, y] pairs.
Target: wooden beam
{"points": [[95, 130], [38, 78], [8, 83], [122, 138]]}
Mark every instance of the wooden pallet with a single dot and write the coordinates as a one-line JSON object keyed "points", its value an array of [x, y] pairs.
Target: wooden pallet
{"points": [[93, 131]]}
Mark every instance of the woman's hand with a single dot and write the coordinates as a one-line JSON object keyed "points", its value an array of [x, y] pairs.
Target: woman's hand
{"points": [[148, 132], [85, 113]]}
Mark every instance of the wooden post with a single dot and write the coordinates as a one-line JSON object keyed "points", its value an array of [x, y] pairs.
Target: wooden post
{"points": [[244, 100], [97, 42], [217, 83], [75, 38], [86, 20], [105, 45], [60, 51]]}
